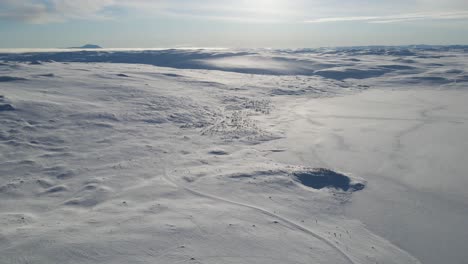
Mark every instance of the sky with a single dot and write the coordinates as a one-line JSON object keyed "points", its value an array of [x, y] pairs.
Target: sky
{"points": [[240, 24]]}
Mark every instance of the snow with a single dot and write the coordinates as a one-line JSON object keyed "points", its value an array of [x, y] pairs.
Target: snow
{"points": [[234, 156]]}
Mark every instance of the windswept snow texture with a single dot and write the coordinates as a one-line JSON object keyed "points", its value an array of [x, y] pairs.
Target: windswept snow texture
{"points": [[348, 155]]}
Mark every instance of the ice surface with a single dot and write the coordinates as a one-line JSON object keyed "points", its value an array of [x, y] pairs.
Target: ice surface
{"points": [[204, 156]]}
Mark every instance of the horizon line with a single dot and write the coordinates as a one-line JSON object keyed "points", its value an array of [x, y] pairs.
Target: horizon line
{"points": [[224, 48]]}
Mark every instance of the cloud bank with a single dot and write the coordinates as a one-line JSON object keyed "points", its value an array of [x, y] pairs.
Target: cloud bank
{"points": [[395, 18], [292, 11]]}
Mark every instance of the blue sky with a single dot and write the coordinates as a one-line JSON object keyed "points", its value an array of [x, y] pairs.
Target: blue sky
{"points": [[221, 23]]}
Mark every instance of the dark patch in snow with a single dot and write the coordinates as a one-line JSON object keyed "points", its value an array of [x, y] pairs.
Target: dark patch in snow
{"points": [[324, 178], [435, 65], [454, 71], [429, 80], [405, 60], [218, 152], [397, 67], [56, 189], [172, 75], [46, 75], [277, 150], [44, 183], [288, 92], [350, 73], [122, 75], [462, 79], [6, 107], [11, 79], [65, 175]]}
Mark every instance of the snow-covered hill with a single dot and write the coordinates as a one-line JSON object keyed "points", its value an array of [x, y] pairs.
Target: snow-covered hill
{"points": [[232, 156]]}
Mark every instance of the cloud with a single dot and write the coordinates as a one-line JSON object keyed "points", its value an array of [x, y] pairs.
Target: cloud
{"points": [[81, 8], [47, 11], [342, 19], [22, 11], [41, 12], [240, 10], [395, 18], [250, 11]]}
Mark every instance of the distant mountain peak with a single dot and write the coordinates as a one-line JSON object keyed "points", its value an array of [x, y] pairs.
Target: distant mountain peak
{"points": [[88, 46]]}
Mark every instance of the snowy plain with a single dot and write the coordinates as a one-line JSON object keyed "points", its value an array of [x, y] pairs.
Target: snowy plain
{"points": [[344, 155]]}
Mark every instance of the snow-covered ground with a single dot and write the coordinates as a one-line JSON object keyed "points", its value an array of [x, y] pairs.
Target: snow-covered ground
{"points": [[350, 155]]}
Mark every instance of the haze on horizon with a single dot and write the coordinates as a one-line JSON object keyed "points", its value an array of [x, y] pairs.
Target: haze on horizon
{"points": [[210, 23]]}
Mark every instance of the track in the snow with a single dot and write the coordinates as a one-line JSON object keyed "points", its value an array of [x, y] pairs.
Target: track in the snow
{"points": [[263, 211]]}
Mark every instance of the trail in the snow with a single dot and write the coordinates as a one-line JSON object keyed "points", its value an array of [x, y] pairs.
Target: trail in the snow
{"points": [[263, 211]]}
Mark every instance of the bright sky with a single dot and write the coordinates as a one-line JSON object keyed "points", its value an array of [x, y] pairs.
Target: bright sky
{"points": [[238, 23]]}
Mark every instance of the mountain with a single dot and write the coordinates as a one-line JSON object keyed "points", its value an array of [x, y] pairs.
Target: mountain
{"points": [[88, 46]]}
